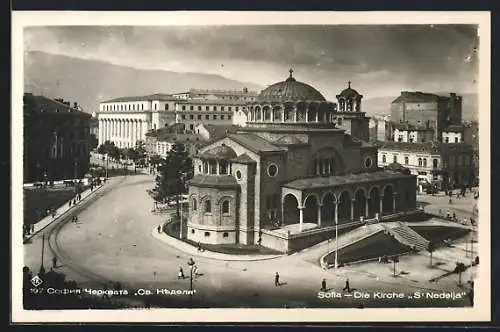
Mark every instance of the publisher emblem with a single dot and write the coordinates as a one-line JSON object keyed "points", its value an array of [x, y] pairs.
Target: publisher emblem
{"points": [[36, 281]]}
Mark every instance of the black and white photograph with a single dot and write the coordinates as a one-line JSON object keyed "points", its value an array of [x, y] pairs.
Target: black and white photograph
{"points": [[178, 166]]}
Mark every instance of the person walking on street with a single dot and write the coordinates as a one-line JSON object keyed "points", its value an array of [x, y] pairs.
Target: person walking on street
{"points": [[181, 273], [347, 287], [159, 228], [69, 204], [54, 262], [276, 279], [323, 285]]}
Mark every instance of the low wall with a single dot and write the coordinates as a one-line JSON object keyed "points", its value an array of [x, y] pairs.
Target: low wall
{"points": [[289, 243]]}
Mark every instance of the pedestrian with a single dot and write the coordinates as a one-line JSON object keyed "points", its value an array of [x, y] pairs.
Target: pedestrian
{"points": [[454, 217], [199, 246], [347, 287], [259, 241], [276, 279], [379, 259], [54, 262], [159, 228], [32, 228], [69, 204], [181, 273], [323, 285], [53, 213], [74, 201]]}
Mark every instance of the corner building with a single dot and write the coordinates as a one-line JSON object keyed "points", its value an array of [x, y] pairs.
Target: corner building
{"points": [[289, 175]]}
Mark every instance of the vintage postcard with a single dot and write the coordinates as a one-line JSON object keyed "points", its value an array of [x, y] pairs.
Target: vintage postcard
{"points": [[250, 166]]}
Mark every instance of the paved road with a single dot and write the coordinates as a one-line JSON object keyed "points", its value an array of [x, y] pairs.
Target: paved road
{"points": [[113, 242]]}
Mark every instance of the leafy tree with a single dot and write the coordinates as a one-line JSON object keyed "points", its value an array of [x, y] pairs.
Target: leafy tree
{"points": [[172, 175], [140, 148], [110, 149]]}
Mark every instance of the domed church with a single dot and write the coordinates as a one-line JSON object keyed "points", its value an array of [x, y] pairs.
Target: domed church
{"points": [[291, 174]]}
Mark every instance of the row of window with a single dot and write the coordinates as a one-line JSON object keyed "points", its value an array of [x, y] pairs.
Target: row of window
{"points": [[207, 117], [128, 107], [422, 162], [210, 167], [74, 150], [324, 166], [207, 108], [447, 139], [207, 206], [207, 234]]}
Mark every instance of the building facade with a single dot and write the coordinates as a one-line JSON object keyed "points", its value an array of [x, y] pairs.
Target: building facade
{"points": [[56, 139], [380, 128], [446, 164], [126, 120], [289, 175], [427, 110]]}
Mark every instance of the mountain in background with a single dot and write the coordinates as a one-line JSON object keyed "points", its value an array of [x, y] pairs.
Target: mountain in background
{"points": [[382, 106], [89, 82]]}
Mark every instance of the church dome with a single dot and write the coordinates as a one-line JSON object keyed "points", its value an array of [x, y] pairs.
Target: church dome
{"points": [[290, 89], [289, 140], [349, 92], [220, 152]]}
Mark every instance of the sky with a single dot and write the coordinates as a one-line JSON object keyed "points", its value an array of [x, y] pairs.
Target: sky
{"points": [[379, 60]]}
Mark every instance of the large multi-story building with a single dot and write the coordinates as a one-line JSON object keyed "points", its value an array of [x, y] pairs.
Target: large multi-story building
{"points": [[290, 175], [446, 164], [56, 139], [428, 111], [126, 120]]}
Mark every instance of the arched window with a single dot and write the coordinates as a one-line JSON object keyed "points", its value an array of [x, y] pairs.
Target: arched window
{"points": [[208, 206], [213, 167], [223, 167], [384, 159], [434, 163], [419, 162], [225, 207], [205, 167], [425, 162], [195, 205]]}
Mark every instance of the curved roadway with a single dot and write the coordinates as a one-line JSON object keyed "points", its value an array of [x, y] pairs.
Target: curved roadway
{"points": [[113, 242]]}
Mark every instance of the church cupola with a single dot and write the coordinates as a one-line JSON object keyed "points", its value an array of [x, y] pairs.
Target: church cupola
{"points": [[349, 100]]}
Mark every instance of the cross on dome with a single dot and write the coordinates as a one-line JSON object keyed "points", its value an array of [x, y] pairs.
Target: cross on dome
{"points": [[291, 72], [349, 84]]}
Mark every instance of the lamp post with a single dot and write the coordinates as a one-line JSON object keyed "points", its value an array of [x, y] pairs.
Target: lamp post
{"points": [[182, 177], [42, 268], [336, 236], [191, 267], [107, 157]]}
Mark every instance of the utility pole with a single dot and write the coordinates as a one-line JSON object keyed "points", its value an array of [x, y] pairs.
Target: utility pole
{"points": [[107, 157]]}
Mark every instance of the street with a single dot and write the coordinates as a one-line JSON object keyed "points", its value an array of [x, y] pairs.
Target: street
{"points": [[112, 242]]}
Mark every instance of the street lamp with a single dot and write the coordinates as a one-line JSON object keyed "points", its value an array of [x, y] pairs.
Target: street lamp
{"points": [[191, 267], [336, 236], [182, 177]]}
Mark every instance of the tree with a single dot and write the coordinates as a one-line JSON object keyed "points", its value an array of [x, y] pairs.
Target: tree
{"points": [[173, 173], [460, 268], [395, 259], [110, 149], [430, 249], [140, 148]]}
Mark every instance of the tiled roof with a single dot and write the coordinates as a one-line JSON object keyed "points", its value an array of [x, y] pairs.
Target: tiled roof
{"points": [[196, 101], [42, 104], [418, 97], [243, 159], [224, 92], [254, 143], [156, 96], [431, 147], [412, 127], [219, 131], [332, 181], [219, 181]]}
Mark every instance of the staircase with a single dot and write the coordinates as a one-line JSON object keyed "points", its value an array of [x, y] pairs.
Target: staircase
{"points": [[409, 237]]}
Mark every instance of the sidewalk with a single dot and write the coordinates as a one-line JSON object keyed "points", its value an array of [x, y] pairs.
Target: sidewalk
{"points": [[61, 211], [189, 249]]}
